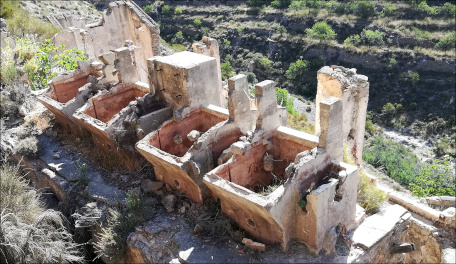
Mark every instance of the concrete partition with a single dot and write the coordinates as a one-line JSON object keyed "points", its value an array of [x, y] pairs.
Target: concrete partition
{"points": [[68, 92]]}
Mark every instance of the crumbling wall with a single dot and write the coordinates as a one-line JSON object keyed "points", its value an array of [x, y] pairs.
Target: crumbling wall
{"points": [[210, 47], [185, 80], [122, 21], [353, 89]]}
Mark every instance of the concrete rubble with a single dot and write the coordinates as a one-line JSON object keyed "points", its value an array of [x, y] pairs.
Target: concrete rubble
{"points": [[278, 184]]}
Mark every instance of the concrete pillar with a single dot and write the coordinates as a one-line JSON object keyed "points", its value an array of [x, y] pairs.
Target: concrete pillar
{"points": [[239, 103], [266, 101], [331, 138]]}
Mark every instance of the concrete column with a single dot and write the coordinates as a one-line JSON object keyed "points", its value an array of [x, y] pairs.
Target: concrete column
{"points": [[266, 100], [331, 138], [239, 103]]}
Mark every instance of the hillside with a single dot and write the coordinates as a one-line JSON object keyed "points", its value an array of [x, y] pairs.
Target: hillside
{"points": [[398, 50]]}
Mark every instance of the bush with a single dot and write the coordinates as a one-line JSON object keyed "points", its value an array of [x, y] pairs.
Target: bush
{"points": [[321, 31], [281, 30], [197, 23], [177, 11], [43, 67], [27, 147], [240, 30], [255, 3], [29, 233], [371, 38], [399, 163], [22, 24], [263, 63], [297, 69], [388, 10], [435, 179], [299, 122], [365, 9], [297, 5], [283, 99], [353, 40], [420, 35], [392, 62], [449, 9], [227, 70], [447, 42], [369, 196], [148, 9], [426, 9], [166, 10], [370, 127], [281, 3], [251, 78], [8, 66], [414, 77]]}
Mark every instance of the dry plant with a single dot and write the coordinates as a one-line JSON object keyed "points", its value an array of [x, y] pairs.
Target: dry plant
{"points": [[31, 234]]}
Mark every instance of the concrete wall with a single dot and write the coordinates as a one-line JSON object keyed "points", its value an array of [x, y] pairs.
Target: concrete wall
{"points": [[122, 21], [353, 89]]}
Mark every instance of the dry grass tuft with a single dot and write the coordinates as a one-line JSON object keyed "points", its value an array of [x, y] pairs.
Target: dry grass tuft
{"points": [[299, 122], [29, 233]]}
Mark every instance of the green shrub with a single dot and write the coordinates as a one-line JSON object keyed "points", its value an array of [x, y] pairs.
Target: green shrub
{"points": [[371, 38], [148, 9], [414, 77], [178, 47], [435, 179], [449, 9], [166, 10], [370, 127], [420, 35], [281, 30], [177, 11], [365, 9], [251, 78], [42, 68], [281, 3], [447, 42], [197, 23], [226, 43], [353, 40], [314, 3], [321, 31], [263, 63], [369, 196], [413, 106], [299, 122], [398, 162], [388, 10], [297, 69], [227, 70], [283, 99], [392, 62], [426, 9], [8, 66], [240, 30], [255, 3], [297, 5]]}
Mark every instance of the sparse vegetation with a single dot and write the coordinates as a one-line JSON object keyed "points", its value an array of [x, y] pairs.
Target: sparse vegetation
{"points": [[31, 234], [299, 122], [27, 146]]}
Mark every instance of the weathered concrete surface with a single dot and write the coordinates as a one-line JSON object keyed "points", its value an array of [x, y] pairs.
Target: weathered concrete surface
{"points": [[210, 47], [168, 150], [185, 79], [67, 93], [375, 236], [105, 108], [122, 21], [353, 89]]}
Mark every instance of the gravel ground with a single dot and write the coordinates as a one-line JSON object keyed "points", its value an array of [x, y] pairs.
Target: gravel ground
{"points": [[301, 107]]}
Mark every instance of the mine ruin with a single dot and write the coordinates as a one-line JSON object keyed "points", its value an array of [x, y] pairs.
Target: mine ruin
{"points": [[207, 138]]}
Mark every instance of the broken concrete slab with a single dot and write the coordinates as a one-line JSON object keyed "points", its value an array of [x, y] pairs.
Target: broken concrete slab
{"points": [[376, 227]]}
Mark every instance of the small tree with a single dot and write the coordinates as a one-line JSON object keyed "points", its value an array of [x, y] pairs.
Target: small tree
{"points": [[227, 70], [365, 9], [177, 11], [371, 38], [166, 10], [297, 69], [321, 31], [148, 9], [284, 100], [197, 23], [447, 42]]}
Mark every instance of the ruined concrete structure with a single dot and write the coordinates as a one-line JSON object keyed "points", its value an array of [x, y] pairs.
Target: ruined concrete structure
{"points": [[353, 89], [277, 183], [124, 20]]}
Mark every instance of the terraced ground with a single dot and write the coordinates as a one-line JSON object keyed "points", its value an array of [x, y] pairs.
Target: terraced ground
{"points": [[405, 68]]}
